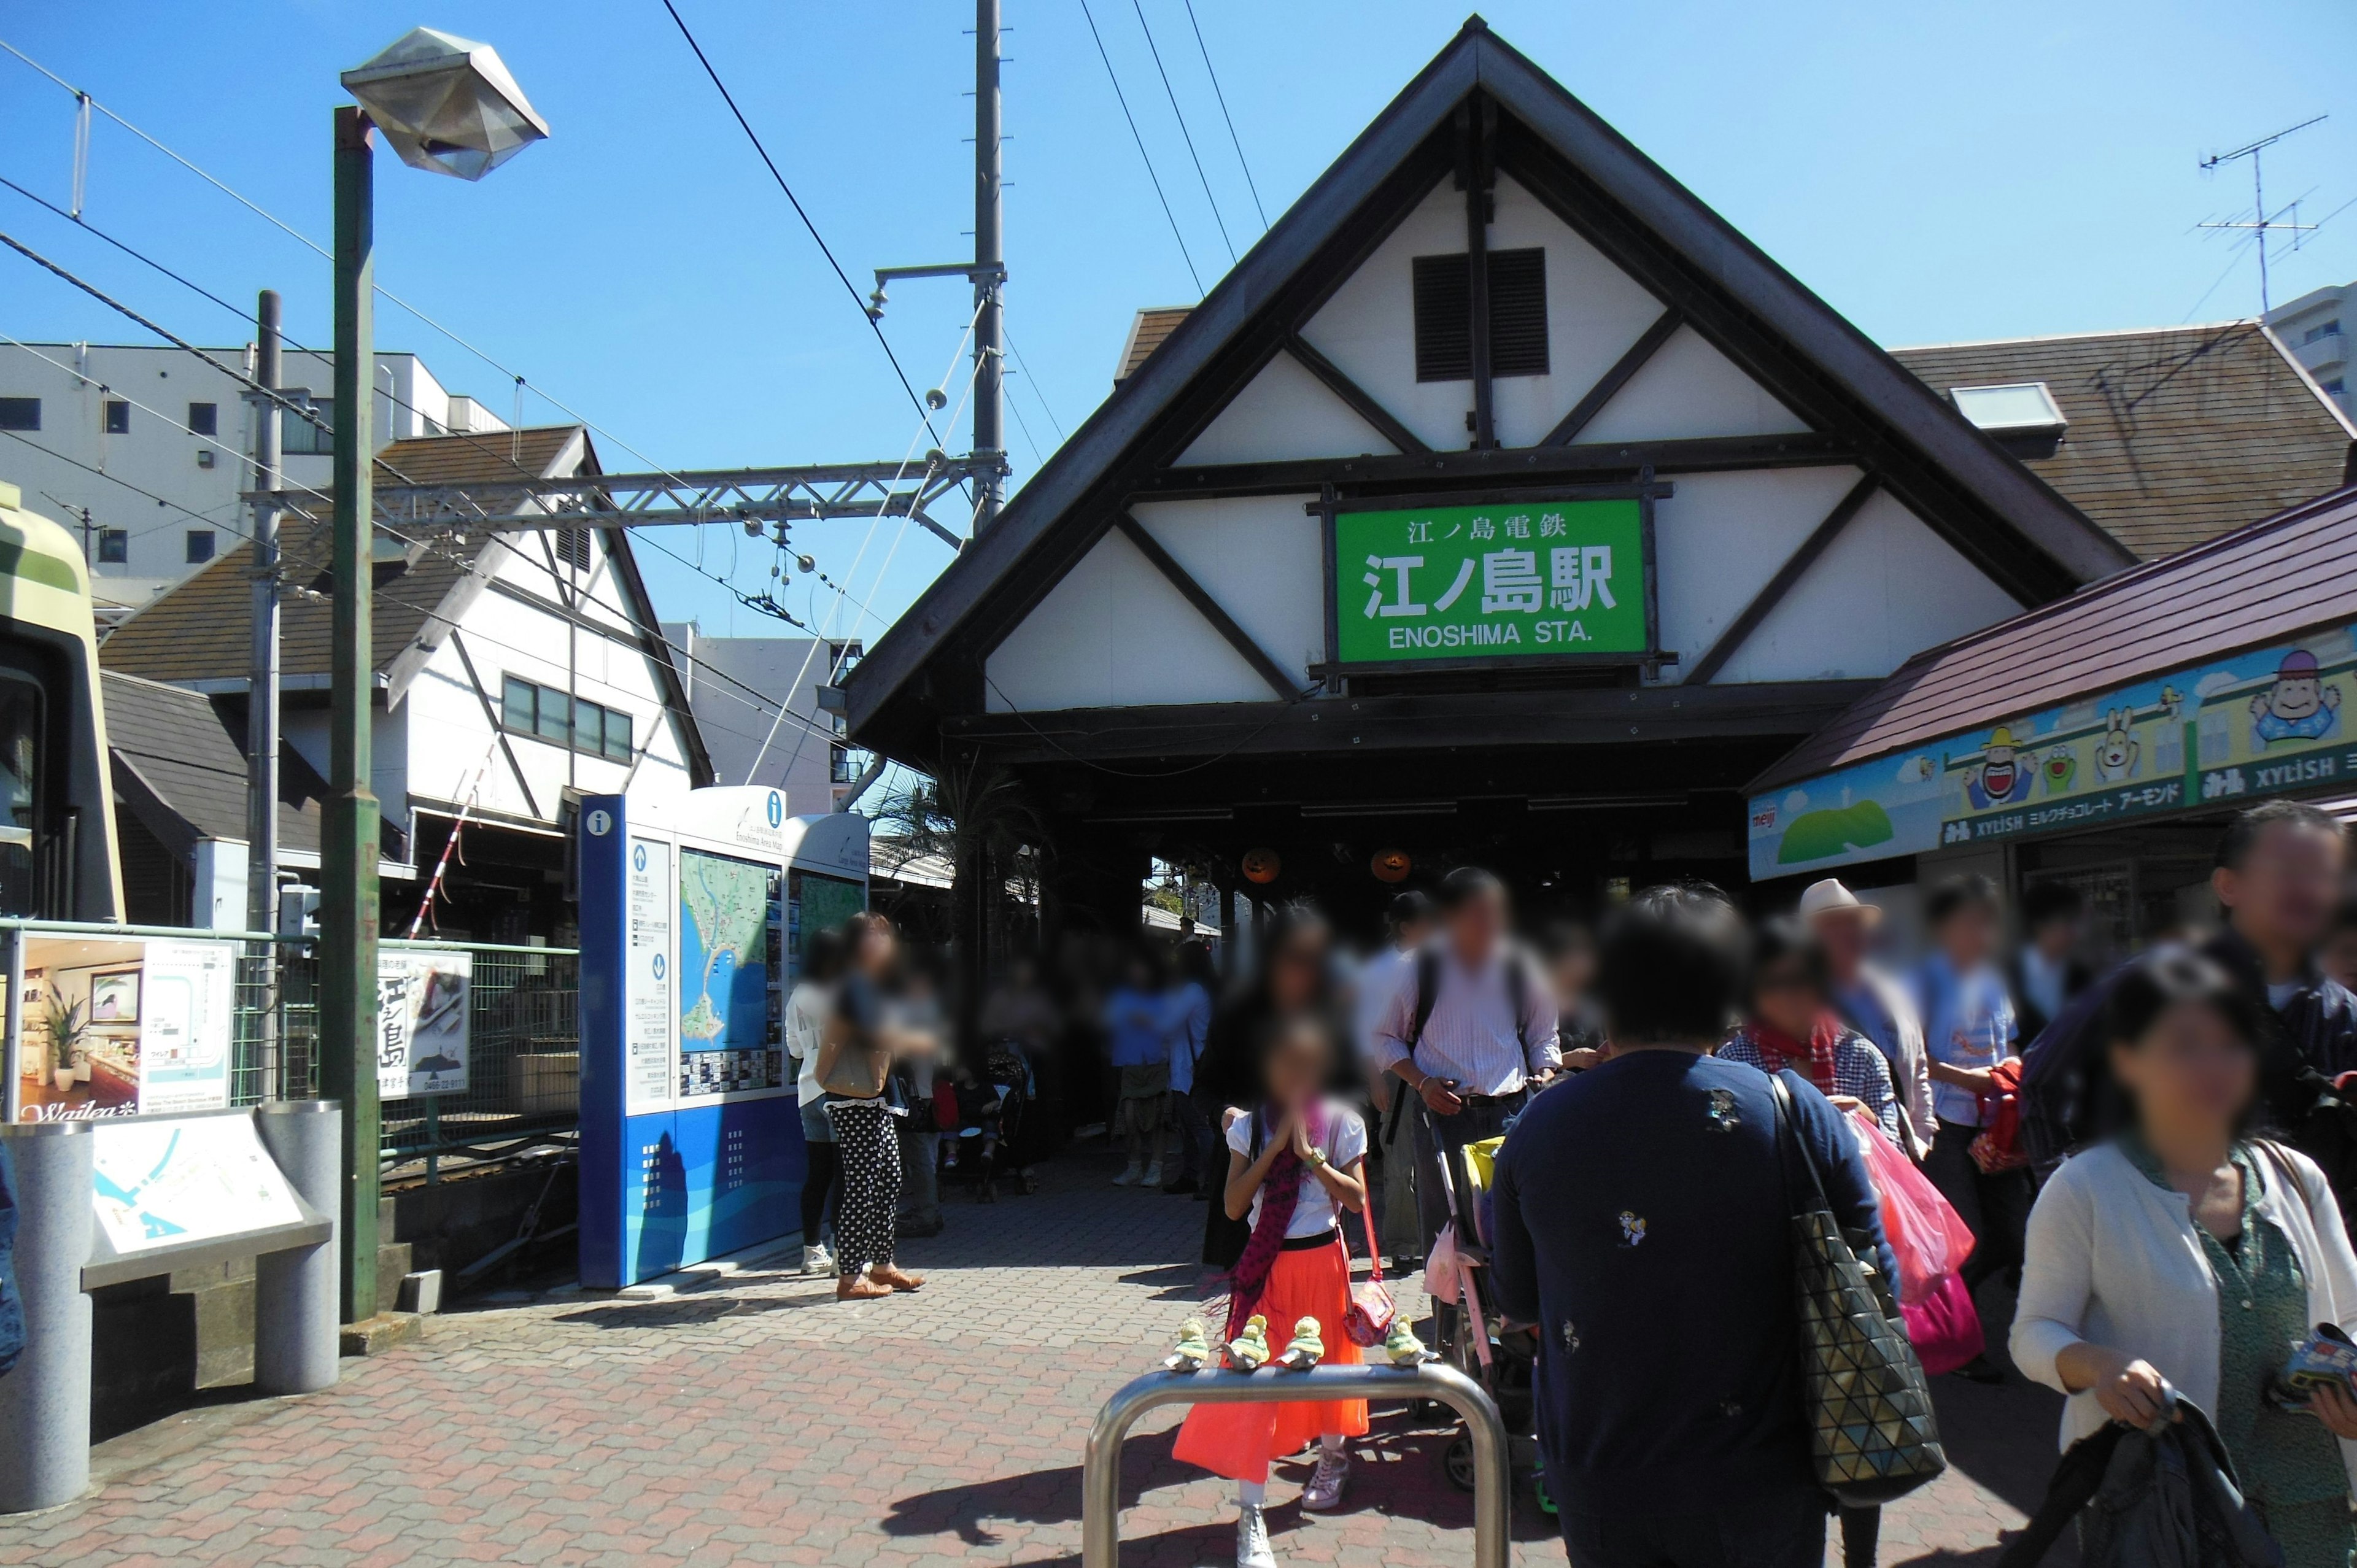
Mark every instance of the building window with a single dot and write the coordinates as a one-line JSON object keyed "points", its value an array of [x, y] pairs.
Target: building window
{"points": [[200, 547], [113, 546], [20, 414], [300, 438], [204, 457], [526, 707], [1443, 316], [204, 419], [2318, 334], [118, 417], [2335, 387]]}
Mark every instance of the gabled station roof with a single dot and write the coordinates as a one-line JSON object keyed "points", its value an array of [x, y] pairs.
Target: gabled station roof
{"points": [[1997, 512]]}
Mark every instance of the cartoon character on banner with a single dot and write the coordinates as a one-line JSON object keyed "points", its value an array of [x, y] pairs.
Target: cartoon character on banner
{"points": [[2301, 706], [2117, 754], [2060, 770], [2000, 779]]}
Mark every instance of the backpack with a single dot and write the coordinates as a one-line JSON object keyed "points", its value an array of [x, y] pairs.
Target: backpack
{"points": [[1427, 993]]}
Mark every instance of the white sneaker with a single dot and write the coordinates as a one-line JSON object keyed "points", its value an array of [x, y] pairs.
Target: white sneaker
{"points": [[1325, 1489], [1127, 1178], [1153, 1176], [1251, 1540], [817, 1260]]}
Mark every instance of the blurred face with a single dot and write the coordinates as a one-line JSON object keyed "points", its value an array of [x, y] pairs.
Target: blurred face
{"points": [[874, 953], [1413, 933], [2191, 1075], [1477, 926], [2285, 890], [1786, 999], [1843, 934], [1297, 1066], [1571, 973], [1296, 971], [1969, 936], [2058, 936]]}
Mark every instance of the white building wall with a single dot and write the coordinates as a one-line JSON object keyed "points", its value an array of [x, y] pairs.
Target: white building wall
{"points": [[160, 455], [1259, 556], [1285, 412], [1718, 540], [2317, 328], [748, 741]]}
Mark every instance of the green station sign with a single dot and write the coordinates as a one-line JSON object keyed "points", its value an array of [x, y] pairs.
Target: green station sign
{"points": [[1526, 580]]}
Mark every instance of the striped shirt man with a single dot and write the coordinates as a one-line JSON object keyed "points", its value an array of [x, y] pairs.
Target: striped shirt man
{"points": [[1474, 1034]]}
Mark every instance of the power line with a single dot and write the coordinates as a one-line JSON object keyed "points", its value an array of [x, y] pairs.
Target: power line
{"points": [[1185, 135], [93, 229], [1035, 386], [1238, 141], [1114, 77], [873, 325]]}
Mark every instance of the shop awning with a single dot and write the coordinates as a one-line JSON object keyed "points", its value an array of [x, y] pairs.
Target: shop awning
{"points": [[2213, 676]]}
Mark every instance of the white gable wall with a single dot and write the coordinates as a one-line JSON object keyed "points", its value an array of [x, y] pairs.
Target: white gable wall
{"points": [[1688, 389], [1259, 556], [1283, 412], [1885, 589], [1719, 537], [1595, 312], [1115, 633]]}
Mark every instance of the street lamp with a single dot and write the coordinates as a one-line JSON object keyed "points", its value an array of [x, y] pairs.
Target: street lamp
{"points": [[447, 104]]}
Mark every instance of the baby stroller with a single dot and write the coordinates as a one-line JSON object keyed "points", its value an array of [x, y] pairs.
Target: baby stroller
{"points": [[988, 1136], [1470, 1334]]}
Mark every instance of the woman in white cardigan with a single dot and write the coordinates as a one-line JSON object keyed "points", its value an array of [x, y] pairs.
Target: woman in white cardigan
{"points": [[2183, 1251]]}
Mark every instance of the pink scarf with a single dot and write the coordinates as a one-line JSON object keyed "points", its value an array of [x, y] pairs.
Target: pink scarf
{"points": [[1280, 1191]]}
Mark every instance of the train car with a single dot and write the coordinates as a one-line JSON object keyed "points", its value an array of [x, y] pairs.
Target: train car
{"points": [[56, 800]]}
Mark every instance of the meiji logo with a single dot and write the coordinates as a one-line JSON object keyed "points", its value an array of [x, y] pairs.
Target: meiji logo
{"points": [[601, 823]]}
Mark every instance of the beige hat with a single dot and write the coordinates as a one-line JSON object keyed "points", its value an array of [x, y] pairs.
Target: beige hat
{"points": [[1830, 898]]}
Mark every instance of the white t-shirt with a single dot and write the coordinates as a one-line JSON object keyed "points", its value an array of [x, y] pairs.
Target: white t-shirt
{"points": [[1345, 1143], [806, 1011]]}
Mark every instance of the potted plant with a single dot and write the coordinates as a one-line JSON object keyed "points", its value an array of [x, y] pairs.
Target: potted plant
{"points": [[67, 1026]]}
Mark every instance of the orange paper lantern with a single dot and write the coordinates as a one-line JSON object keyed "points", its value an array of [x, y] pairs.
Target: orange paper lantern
{"points": [[1261, 866], [1391, 865]]}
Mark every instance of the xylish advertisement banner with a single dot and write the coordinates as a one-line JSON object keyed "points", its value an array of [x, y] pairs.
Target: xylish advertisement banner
{"points": [[2268, 722]]}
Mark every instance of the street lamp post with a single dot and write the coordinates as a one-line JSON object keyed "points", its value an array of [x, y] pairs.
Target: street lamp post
{"points": [[447, 104]]}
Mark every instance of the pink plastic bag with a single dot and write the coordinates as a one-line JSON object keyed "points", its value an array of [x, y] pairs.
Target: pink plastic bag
{"points": [[1944, 1326], [1927, 1236]]}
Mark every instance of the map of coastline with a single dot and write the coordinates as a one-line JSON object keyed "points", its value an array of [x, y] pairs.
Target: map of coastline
{"points": [[723, 953]]}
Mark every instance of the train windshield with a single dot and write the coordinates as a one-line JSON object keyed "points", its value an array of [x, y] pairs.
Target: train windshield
{"points": [[21, 748]]}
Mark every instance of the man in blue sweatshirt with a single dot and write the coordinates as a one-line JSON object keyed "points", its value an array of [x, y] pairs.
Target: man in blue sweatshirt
{"points": [[1643, 1224]]}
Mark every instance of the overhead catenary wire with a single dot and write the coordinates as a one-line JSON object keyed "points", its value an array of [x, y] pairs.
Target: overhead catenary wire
{"points": [[1114, 77], [1212, 71], [1036, 391], [1184, 133]]}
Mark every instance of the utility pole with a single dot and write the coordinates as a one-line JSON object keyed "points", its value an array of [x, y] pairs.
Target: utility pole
{"points": [[990, 265], [2260, 222], [261, 681]]}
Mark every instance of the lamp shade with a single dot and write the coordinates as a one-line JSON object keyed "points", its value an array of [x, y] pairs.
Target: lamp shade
{"points": [[446, 104]]}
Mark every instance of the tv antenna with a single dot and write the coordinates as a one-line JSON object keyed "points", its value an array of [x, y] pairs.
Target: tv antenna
{"points": [[2259, 223]]}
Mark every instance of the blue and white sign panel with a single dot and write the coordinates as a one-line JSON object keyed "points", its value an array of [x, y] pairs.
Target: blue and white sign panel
{"points": [[690, 1136]]}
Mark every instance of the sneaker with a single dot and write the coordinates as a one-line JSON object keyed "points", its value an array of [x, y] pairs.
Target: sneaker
{"points": [[1251, 1540], [1129, 1176], [1325, 1489], [818, 1260], [1153, 1176]]}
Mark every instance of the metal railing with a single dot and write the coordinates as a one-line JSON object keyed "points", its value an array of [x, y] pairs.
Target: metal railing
{"points": [[1101, 1466]]}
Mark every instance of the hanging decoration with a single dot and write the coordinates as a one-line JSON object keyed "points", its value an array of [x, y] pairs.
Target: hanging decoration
{"points": [[1261, 866], [1391, 865]]}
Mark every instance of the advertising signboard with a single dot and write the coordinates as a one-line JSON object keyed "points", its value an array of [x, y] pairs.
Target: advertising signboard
{"points": [[130, 1026], [2267, 722], [691, 1132], [422, 999], [1536, 578]]}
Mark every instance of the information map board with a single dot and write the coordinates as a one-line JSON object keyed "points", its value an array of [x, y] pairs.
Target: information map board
{"points": [[691, 1133]]}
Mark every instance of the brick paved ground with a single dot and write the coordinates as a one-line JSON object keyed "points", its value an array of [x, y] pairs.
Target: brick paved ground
{"points": [[754, 1419]]}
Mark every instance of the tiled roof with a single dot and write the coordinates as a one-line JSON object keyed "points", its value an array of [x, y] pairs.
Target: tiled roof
{"points": [[198, 630], [1147, 331], [176, 745], [2176, 435], [2261, 585]]}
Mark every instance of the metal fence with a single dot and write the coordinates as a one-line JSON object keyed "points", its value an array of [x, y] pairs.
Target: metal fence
{"points": [[523, 1057]]}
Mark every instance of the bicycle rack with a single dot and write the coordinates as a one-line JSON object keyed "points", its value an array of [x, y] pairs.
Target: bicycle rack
{"points": [[1101, 1469]]}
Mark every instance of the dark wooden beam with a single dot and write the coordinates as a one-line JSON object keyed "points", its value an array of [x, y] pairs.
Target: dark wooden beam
{"points": [[1361, 403], [491, 718], [1647, 345], [1209, 608], [1420, 723], [1767, 597], [1500, 467], [1476, 122]]}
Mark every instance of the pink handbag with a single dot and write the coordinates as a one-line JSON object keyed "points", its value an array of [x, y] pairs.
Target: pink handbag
{"points": [[1372, 1308]]}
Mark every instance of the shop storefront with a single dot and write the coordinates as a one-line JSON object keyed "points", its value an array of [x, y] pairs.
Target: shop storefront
{"points": [[2100, 741]]}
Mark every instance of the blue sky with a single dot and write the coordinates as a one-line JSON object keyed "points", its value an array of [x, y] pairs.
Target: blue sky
{"points": [[1936, 172]]}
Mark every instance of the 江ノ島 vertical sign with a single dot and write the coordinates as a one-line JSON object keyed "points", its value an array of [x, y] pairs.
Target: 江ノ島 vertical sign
{"points": [[1527, 580]]}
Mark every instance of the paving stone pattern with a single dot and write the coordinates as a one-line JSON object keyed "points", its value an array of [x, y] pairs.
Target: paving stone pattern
{"points": [[751, 1419]]}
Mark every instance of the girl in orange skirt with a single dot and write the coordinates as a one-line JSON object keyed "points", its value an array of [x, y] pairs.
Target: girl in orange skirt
{"points": [[1294, 1167]]}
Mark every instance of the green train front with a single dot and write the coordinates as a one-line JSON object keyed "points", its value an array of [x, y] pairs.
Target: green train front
{"points": [[692, 911]]}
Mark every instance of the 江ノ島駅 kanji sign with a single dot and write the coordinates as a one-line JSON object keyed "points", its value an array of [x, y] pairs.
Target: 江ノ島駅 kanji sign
{"points": [[1531, 579]]}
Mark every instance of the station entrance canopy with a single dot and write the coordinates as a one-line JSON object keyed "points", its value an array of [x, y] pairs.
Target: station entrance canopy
{"points": [[1503, 503]]}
